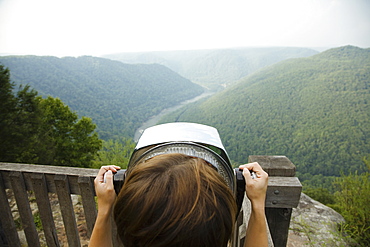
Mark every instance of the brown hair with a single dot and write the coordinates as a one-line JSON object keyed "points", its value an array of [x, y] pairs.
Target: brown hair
{"points": [[174, 200]]}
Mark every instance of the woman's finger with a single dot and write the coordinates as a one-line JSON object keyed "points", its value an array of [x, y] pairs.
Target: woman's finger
{"points": [[103, 170], [108, 177], [251, 166]]}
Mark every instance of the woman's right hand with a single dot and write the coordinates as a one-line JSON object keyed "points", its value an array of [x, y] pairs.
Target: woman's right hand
{"points": [[256, 234], [255, 188]]}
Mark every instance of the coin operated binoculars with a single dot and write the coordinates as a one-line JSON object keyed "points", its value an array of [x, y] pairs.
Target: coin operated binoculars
{"points": [[191, 139]]}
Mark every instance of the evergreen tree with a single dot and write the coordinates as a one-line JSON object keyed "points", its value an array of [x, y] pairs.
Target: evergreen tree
{"points": [[7, 110], [26, 126], [19, 120]]}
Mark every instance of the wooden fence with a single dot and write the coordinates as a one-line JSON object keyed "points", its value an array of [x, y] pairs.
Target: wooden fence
{"points": [[21, 180]]}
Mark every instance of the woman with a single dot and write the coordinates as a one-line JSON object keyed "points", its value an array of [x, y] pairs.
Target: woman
{"points": [[176, 200]]}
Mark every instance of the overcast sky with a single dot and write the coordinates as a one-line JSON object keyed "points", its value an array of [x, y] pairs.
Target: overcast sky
{"points": [[96, 27]]}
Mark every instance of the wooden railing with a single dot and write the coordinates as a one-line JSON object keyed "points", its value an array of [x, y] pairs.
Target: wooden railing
{"points": [[283, 194], [19, 180]]}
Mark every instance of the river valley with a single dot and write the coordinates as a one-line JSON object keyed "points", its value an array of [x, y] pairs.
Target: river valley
{"points": [[154, 119]]}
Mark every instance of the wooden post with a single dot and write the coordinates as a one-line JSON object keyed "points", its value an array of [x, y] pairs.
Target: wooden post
{"points": [[88, 202], [9, 235], [275, 166], [283, 194], [46, 215], [24, 209], [278, 220], [66, 207]]}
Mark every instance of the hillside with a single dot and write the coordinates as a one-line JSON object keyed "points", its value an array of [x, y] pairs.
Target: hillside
{"points": [[214, 68], [118, 97], [314, 110]]}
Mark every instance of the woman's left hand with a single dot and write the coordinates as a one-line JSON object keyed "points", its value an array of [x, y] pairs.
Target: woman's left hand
{"points": [[102, 232], [104, 187]]}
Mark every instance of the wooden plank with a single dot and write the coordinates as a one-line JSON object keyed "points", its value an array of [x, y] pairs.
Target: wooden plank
{"points": [[239, 221], [88, 202], [278, 220], [63, 170], [6, 180], [274, 165], [283, 192], [3, 240], [46, 215], [9, 230], [49, 172], [280, 200], [242, 226], [66, 207], [24, 209]]}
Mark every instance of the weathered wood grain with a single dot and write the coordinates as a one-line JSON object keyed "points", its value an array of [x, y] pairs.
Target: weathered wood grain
{"points": [[282, 195], [274, 165], [49, 172], [88, 202], [8, 227], [24, 209], [66, 207], [46, 215]]}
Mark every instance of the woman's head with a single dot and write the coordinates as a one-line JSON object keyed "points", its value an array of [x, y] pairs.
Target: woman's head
{"points": [[174, 200]]}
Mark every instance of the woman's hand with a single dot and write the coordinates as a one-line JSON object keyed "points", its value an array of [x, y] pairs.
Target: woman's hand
{"points": [[256, 234], [102, 232], [104, 187], [255, 188]]}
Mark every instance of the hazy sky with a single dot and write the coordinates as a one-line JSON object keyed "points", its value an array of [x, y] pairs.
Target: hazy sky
{"points": [[95, 27]]}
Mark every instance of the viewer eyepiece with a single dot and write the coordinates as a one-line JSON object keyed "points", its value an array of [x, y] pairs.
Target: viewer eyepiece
{"points": [[191, 139]]}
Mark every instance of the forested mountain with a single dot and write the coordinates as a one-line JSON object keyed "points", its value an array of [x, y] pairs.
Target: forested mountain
{"points": [[118, 97], [314, 110], [38, 130], [213, 68]]}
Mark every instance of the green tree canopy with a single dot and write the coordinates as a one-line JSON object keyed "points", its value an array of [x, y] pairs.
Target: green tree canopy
{"points": [[118, 97], [42, 131], [65, 139], [115, 152], [314, 110], [352, 202]]}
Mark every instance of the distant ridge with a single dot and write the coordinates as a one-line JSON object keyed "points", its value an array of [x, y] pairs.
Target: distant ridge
{"points": [[315, 110], [118, 97], [215, 68]]}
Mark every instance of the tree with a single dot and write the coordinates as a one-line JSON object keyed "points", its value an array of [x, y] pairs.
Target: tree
{"points": [[353, 200], [19, 120], [65, 140], [7, 110], [320, 194], [43, 131], [26, 126], [115, 152], [85, 142]]}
